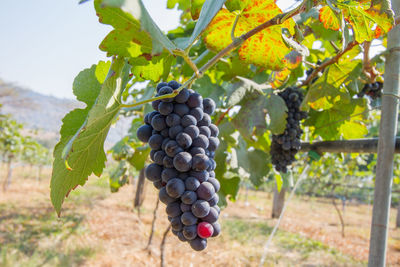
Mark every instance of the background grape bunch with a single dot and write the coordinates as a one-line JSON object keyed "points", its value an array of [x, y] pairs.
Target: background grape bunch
{"points": [[183, 141], [373, 90], [285, 146]]}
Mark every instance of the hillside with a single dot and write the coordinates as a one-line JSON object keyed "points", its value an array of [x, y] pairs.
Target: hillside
{"points": [[43, 114]]}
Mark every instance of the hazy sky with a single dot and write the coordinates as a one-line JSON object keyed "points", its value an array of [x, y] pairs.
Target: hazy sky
{"points": [[45, 43]]}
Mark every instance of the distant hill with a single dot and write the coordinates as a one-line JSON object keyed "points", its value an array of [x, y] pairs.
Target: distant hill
{"points": [[43, 113]]}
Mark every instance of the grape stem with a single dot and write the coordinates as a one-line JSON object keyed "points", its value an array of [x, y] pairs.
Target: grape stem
{"points": [[222, 116], [333, 60], [237, 42], [162, 246]]}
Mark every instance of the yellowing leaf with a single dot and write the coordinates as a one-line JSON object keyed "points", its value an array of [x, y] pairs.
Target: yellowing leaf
{"points": [[266, 48], [329, 19], [367, 23], [280, 77]]}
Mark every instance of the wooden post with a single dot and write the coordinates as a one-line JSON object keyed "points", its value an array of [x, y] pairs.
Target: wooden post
{"points": [[278, 202], [139, 197], [386, 146]]}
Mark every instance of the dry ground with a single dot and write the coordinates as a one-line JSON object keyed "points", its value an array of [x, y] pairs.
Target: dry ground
{"points": [[98, 228]]}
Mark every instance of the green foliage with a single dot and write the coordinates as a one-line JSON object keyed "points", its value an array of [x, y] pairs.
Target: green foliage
{"points": [[243, 83], [84, 130]]}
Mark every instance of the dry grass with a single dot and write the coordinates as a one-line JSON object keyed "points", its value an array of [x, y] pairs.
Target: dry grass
{"points": [[98, 228]]}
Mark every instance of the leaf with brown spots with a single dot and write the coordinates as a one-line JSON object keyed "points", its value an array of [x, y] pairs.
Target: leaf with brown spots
{"points": [[266, 48]]}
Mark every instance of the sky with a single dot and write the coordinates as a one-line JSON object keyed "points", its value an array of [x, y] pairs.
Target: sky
{"points": [[44, 44]]}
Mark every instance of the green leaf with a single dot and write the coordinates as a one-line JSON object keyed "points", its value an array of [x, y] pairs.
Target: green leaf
{"points": [[279, 181], [220, 159], [138, 160], [367, 23], [344, 119], [208, 11], [253, 161], [206, 88], [118, 176], [277, 112], [86, 129], [195, 8], [251, 114], [233, 5], [328, 90], [229, 188], [245, 88], [119, 42], [153, 68], [131, 18]]}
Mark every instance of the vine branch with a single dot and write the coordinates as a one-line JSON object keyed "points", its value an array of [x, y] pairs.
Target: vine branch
{"points": [[333, 60]]}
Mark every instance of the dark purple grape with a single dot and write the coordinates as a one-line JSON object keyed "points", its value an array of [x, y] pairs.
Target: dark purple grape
{"points": [[158, 122], [191, 183], [190, 232], [174, 131], [174, 84], [155, 141], [155, 104], [165, 108], [175, 187], [172, 148], [181, 109], [213, 143], [173, 209], [168, 173], [168, 162], [159, 157], [200, 162], [161, 85], [215, 183], [197, 113], [172, 120], [184, 140], [200, 208], [176, 223], [205, 191], [189, 197], [195, 100], [153, 172], [187, 218], [182, 237], [183, 161], [206, 121], [188, 120], [198, 244], [158, 184], [165, 91], [201, 141], [214, 130], [214, 200], [202, 176], [185, 207], [183, 96], [144, 133], [192, 131], [209, 106], [217, 229], [212, 216], [197, 150], [164, 197]]}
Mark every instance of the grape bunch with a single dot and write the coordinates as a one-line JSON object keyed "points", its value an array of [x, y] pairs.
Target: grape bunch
{"points": [[373, 90], [285, 146], [183, 141]]}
